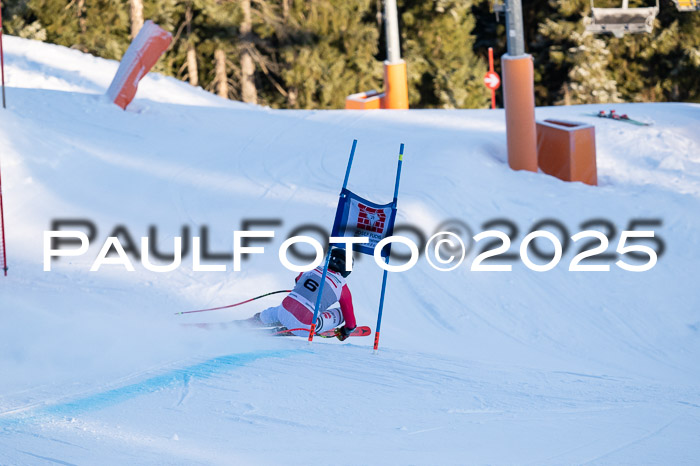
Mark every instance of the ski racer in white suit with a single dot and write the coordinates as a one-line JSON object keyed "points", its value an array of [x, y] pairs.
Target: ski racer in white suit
{"points": [[297, 308]]}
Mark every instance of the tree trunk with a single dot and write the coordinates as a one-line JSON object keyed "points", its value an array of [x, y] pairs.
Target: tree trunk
{"points": [[221, 77], [192, 71], [285, 10], [292, 97], [136, 16], [567, 94], [249, 93], [82, 22]]}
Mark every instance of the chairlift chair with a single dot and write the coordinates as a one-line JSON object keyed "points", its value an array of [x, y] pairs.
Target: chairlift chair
{"points": [[621, 21], [687, 5]]}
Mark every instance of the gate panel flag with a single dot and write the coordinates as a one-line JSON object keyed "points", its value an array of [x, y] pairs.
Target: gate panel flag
{"points": [[358, 217]]}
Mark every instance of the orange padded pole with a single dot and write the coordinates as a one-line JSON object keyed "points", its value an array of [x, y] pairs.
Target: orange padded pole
{"points": [[519, 102], [396, 82]]}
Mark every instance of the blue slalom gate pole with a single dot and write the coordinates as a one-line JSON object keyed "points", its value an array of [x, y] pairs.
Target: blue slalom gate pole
{"points": [[381, 308], [378, 329], [347, 170], [312, 330]]}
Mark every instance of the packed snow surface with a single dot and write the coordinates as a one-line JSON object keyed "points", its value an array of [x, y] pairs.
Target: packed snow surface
{"points": [[518, 367]]}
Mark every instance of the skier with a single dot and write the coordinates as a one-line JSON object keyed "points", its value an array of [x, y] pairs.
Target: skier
{"points": [[297, 308]]}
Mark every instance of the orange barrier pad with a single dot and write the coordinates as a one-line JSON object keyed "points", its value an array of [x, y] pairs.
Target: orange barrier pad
{"points": [[144, 51], [370, 100], [566, 149]]}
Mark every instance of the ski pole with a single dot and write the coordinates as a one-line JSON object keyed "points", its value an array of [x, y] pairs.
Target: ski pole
{"points": [[284, 332], [287, 332], [233, 305]]}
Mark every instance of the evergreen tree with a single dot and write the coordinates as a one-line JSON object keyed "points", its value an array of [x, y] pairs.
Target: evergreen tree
{"points": [[19, 20], [313, 53], [438, 44], [218, 28], [554, 32], [100, 27], [327, 51], [590, 78], [572, 66], [664, 65]]}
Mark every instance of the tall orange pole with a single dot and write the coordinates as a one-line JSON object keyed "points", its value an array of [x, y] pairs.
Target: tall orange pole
{"points": [[519, 102], [395, 75], [395, 95], [396, 82], [519, 93]]}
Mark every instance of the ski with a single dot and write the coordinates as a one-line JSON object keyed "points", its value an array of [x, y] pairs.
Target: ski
{"points": [[615, 116], [360, 331]]}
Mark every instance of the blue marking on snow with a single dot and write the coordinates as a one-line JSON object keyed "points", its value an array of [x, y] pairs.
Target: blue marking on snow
{"points": [[169, 379]]}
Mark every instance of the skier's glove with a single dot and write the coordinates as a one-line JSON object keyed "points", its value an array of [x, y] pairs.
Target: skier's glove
{"points": [[343, 332]]}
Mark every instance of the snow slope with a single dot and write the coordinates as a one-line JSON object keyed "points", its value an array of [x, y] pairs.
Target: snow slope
{"points": [[474, 367]]}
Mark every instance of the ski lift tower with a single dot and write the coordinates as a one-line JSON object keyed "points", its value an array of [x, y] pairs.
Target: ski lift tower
{"points": [[519, 93]]}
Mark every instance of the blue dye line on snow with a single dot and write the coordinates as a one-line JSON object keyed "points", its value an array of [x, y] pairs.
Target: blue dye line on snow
{"points": [[172, 378]]}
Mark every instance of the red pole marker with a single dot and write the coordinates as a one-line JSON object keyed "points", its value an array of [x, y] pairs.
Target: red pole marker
{"points": [[492, 80], [376, 341], [3, 251]]}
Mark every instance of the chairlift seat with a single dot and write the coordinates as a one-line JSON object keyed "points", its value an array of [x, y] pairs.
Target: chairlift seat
{"points": [[687, 5], [620, 21]]}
